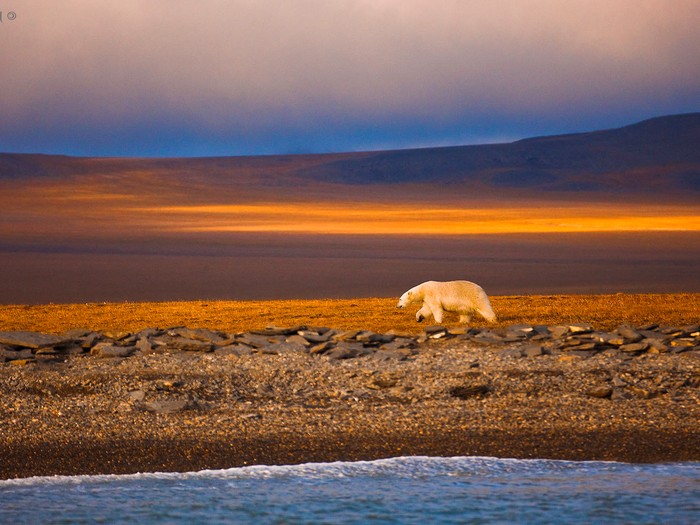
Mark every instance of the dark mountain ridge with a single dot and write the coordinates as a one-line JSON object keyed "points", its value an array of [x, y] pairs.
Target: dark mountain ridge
{"points": [[657, 155]]}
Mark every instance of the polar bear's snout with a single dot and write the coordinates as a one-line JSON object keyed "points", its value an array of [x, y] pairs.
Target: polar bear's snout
{"points": [[404, 300]]}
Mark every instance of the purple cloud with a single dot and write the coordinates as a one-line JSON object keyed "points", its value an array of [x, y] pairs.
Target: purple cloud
{"points": [[170, 77]]}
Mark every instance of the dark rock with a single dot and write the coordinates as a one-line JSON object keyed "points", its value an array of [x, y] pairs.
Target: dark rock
{"points": [[276, 330], [32, 339], [378, 339], [77, 333], [558, 331], [237, 350], [656, 346], [629, 334], [400, 354], [168, 384], [169, 406], [586, 347], [602, 391], [182, 344], [469, 391], [621, 394], [315, 337], [257, 341], [523, 328], [512, 352], [322, 348], [297, 339], [435, 332], [107, 350], [116, 335], [13, 355], [646, 327], [533, 351], [144, 346], [634, 347], [583, 353], [137, 395], [652, 334], [399, 343], [618, 382], [678, 346], [347, 351], [282, 348], [642, 393], [384, 382], [692, 330], [346, 336], [197, 334], [89, 340], [580, 328], [488, 336]]}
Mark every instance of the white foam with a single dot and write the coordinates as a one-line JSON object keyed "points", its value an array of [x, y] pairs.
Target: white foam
{"points": [[403, 466]]}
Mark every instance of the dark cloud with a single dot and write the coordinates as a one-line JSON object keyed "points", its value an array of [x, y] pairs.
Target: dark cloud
{"points": [[173, 77]]}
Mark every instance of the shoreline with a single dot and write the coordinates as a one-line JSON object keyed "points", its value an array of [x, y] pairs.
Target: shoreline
{"points": [[192, 454], [171, 400]]}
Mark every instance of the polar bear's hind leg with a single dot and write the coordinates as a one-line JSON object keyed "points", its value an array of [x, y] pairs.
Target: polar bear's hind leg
{"points": [[465, 317]]}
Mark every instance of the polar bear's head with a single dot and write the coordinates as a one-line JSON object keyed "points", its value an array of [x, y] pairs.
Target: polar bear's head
{"points": [[407, 298]]}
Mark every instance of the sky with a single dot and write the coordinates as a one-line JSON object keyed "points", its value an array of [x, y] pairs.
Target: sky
{"points": [[160, 78]]}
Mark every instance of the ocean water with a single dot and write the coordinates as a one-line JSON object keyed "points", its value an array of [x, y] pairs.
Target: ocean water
{"points": [[398, 490]]}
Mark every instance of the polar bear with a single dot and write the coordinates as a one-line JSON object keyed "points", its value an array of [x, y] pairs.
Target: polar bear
{"points": [[462, 297]]}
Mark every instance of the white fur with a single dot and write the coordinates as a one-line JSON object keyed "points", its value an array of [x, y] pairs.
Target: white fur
{"points": [[462, 297]]}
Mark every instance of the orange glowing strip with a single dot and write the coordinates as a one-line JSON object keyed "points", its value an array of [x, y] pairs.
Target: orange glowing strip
{"points": [[363, 218]]}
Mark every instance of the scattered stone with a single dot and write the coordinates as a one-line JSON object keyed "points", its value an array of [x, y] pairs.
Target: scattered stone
{"points": [[576, 340]]}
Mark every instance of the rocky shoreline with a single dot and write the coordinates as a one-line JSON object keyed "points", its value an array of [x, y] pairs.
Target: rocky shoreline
{"points": [[87, 402]]}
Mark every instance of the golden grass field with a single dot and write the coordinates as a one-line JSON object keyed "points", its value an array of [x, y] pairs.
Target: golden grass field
{"points": [[377, 314]]}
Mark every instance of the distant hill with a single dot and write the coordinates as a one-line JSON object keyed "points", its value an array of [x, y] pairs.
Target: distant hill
{"points": [[656, 157]]}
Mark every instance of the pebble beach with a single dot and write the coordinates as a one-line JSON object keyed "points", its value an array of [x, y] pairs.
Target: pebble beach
{"points": [[182, 399]]}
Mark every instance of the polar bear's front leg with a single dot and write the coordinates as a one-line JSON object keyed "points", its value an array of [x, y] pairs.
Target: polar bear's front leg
{"points": [[436, 310], [423, 313]]}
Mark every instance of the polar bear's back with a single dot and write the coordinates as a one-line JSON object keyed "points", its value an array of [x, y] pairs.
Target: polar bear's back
{"points": [[454, 295]]}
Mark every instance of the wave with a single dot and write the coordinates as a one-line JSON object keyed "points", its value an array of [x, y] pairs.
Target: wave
{"points": [[403, 466]]}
